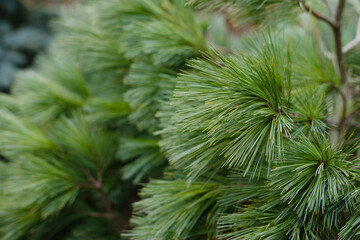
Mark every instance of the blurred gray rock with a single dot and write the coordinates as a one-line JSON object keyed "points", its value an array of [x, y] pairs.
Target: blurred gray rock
{"points": [[28, 39], [16, 58], [2, 54], [41, 18], [7, 72], [24, 33], [4, 27]]}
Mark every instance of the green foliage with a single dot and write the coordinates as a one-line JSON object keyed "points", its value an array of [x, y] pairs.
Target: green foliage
{"points": [[20, 137], [314, 175], [52, 185], [77, 131], [304, 197], [168, 38], [351, 228], [107, 110], [149, 160], [52, 99], [89, 229], [269, 222], [171, 209], [88, 37], [258, 11], [150, 86], [234, 107], [251, 133]]}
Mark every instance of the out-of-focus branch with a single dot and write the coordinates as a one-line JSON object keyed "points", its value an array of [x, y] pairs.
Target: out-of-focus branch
{"points": [[338, 41], [339, 11], [98, 186], [316, 14], [335, 24]]}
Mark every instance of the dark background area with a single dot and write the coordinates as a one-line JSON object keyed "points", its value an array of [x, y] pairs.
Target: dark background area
{"points": [[25, 31]]}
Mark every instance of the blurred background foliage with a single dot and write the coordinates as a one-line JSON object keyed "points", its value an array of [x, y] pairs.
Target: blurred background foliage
{"points": [[25, 31], [88, 123]]}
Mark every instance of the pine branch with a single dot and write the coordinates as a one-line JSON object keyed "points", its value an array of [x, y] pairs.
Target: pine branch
{"points": [[245, 133], [258, 12], [173, 209]]}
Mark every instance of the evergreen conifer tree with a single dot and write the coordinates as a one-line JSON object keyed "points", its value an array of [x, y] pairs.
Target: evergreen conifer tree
{"points": [[225, 134]]}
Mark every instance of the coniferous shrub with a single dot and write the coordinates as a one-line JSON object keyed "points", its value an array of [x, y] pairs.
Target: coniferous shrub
{"points": [[224, 133]]}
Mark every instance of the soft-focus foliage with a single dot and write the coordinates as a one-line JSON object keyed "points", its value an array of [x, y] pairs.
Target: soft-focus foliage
{"points": [[144, 103]]}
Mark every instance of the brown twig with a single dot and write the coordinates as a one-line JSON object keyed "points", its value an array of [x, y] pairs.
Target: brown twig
{"points": [[339, 11], [316, 14], [335, 25], [340, 59], [97, 185], [338, 42]]}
